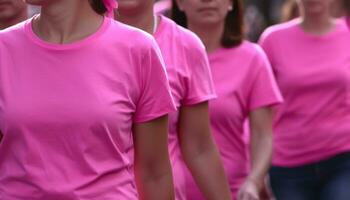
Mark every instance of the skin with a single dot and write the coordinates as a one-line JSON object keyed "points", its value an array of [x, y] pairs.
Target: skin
{"points": [[12, 12], [196, 143], [198, 150], [207, 19], [261, 153], [152, 164], [205, 15], [316, 17], [338, 9], [67, 21]]}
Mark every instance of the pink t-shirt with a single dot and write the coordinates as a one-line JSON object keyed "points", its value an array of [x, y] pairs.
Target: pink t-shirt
{"points": [[313, 73], [66, 112], [190, 81], [244, 82]]}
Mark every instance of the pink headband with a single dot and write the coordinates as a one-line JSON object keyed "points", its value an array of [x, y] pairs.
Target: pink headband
{"points": [[110, 5]]}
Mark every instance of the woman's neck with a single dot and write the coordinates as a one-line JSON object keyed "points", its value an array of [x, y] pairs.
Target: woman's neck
{"points": [[66, 21], [318, 24], [143, 19], [210, 36]]}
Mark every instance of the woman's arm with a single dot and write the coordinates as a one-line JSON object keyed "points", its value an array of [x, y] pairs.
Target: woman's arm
{"points": [[152, 165], [200, 153], [261, 153]]}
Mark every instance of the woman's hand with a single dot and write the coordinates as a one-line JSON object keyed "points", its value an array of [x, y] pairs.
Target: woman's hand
{"points": [[249, 191]]}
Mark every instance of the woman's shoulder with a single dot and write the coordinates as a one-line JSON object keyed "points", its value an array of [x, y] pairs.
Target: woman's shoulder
{"points": [[130, 36], [280, 29], [14, 31], [246, 49]]}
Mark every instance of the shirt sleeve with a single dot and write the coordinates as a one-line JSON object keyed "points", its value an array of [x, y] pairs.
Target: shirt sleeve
{"points": [[263, 89], [199, 85], [155, 98]]}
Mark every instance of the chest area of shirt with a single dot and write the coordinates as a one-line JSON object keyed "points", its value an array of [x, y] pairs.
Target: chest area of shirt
{"points": [[50, 94], [312, 71], [229, 77], [231, 102], [313, 61]]}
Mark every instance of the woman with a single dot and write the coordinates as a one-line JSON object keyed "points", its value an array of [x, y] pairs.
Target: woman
{"points": [[190, 140], [311, 58], [75, 102], [245, 87]]}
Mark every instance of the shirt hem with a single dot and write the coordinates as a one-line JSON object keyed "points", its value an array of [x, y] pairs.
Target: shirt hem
{"points": [[198, 100]]}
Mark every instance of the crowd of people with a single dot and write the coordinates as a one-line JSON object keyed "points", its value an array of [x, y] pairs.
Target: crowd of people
{"points": [[180, 99]]}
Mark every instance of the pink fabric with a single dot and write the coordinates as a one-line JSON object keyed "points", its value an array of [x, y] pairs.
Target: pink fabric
{"points": [[110, 5], [313, 73], [190, 81], [66, 112], [244, 82]]}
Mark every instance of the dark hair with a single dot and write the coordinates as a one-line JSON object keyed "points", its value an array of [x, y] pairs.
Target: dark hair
{"points": [[98, 6], [290, 10], [346, 4], [234, 23]]}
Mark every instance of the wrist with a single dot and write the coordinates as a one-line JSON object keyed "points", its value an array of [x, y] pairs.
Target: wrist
{"points": [[256, 181]]}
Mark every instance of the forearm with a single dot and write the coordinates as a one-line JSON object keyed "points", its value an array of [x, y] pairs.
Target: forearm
{"points": [[207, 170], [261, 153], [151, 160], [200, 153], [156, 184]]}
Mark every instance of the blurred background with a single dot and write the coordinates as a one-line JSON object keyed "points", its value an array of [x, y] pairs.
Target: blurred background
{"points": [[260, 14]]}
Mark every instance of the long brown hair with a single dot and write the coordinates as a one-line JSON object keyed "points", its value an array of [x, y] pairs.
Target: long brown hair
{"points": [[346, 4], [234, 23], [98, 6]]}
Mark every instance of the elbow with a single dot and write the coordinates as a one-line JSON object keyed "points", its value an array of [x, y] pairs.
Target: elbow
{"points": [[197, 148]]}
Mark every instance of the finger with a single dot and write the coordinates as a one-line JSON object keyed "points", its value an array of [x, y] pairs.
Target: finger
{"points": [[255, 197], [241, 194]]}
